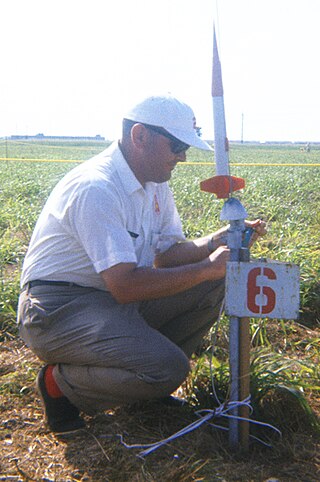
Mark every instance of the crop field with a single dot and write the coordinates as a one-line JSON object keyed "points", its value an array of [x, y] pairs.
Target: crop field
{"points": [[283, 188]]}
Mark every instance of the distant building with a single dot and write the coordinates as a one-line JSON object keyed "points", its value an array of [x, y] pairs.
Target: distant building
{"points": [[41, 136]]}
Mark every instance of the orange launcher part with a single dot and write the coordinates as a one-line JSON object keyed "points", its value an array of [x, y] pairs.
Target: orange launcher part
{"points": [[222, 186]]}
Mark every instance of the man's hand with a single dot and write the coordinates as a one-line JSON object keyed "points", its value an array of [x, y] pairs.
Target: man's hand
{"points": [[259, 229], [219, 238], [218, 261]]}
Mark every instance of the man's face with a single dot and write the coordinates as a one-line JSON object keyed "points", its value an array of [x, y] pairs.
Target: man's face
{"points": [[160, 158]]}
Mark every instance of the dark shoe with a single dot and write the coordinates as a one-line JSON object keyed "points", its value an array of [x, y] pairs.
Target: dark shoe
{"points": [[171, 401], [61, 415]]}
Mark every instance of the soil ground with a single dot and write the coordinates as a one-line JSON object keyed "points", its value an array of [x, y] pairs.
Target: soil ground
{"points": [[29, 452]]}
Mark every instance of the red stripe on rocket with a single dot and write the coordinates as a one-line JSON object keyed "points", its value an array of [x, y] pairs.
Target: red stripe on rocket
{"points": [[222, 184]]}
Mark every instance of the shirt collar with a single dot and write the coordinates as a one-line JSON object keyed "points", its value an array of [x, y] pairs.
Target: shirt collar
{"points": [[129, 181]]}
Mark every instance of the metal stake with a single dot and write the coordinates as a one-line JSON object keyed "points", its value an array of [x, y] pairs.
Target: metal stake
{"points": [[234, 212]]}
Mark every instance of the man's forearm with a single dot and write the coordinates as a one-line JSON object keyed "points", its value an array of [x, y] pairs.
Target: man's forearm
{"points": [[189, 252], [129, 283]]}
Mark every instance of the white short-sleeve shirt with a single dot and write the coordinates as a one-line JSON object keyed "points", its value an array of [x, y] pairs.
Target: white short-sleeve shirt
{"points": [[97, 216]]}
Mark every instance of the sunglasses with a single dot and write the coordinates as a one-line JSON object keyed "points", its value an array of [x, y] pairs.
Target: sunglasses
{"points": [[176, 145]]}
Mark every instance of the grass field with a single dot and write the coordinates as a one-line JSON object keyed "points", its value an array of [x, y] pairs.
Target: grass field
{"points": [[284, 355]]}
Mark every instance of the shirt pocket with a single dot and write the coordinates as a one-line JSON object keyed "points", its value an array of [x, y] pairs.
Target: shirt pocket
{"points": [[138, 242]]}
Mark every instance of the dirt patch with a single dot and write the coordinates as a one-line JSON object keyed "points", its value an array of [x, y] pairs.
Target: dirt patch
{"points": [[29, 452]]}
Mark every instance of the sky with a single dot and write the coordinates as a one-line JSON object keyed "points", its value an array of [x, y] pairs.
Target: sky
{"points": [[73, 67]]}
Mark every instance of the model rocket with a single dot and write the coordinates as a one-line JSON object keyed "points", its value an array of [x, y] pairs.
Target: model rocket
{"points": [[222, 184]]}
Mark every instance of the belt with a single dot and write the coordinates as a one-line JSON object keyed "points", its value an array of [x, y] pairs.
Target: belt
{"points": [[42, 282]]}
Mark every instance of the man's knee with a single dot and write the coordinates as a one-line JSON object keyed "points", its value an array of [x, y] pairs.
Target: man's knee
{"points": [[169, 372], [212, 294], [178, 369]]}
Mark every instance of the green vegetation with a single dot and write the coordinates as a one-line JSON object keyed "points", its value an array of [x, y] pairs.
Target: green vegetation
{"points": [[284, 354], [49, 149]]}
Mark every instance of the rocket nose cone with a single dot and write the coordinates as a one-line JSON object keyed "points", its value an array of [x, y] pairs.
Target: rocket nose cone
{"points": [[217, 87]]}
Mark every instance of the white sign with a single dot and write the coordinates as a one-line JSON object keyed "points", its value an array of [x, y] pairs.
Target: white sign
{"points": [[262, 289]]}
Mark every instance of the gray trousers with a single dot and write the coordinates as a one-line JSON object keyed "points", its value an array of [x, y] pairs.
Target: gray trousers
{"points": [[107, 354]]}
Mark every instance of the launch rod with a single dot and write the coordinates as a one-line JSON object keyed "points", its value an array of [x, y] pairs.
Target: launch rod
{"points": [[239, 337], [239, 345], [244, 377]]}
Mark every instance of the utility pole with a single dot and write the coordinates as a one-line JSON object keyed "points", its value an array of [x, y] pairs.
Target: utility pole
{"points": [[242, 116]]}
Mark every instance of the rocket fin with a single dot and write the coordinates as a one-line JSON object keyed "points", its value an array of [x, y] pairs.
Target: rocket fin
{"points": [[222, 186]]}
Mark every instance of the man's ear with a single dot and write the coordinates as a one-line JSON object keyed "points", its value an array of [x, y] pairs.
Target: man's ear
{"points": [[139, 135]]}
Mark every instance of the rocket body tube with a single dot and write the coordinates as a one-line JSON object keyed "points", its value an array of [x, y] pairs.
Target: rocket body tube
{"points": [[220, 138], [222, 184]]}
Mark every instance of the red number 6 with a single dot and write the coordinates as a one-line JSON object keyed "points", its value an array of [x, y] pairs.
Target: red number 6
{"points": [[253, 291]]}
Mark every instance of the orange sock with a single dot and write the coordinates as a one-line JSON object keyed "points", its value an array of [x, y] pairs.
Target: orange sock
{"points": [[50, 383]]}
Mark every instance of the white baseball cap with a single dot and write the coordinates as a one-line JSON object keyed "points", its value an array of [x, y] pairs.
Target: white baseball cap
{"points": [[171, 114]]}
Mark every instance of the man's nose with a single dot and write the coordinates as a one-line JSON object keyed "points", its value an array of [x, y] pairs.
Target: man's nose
{"points": [[181, 156]]}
